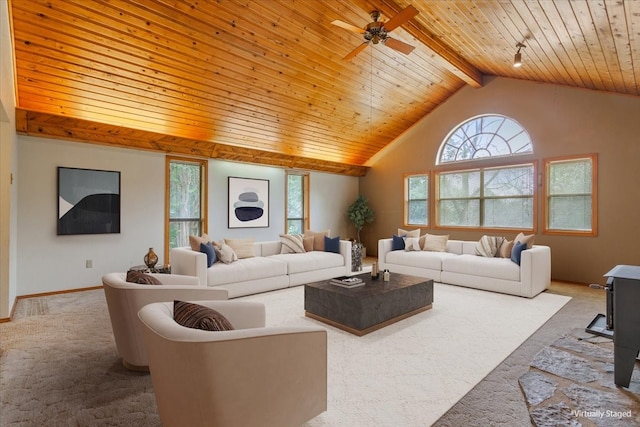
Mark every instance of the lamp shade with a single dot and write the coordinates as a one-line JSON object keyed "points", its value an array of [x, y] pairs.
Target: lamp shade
{"points": [[517, 59]]}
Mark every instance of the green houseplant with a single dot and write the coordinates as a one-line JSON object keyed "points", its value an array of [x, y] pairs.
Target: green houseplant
{"points": [[360, 213]]}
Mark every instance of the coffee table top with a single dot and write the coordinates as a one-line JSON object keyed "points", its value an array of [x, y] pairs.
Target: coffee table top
{"points": [[372, 286]]}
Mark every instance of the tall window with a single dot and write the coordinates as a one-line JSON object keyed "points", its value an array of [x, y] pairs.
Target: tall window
{"points": [[297, 203], [499, 197], [570, 195], [416, 207], [186, 200]]}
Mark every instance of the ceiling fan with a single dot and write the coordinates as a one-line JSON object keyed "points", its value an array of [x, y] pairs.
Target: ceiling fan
{"points": [[377, 31]]}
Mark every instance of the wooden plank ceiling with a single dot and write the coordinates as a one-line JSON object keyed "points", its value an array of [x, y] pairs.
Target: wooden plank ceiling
{"points": [[264, 81]]}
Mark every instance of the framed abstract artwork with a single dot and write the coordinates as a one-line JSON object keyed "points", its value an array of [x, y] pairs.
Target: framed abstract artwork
{"points": [[88, 201], [248, 202]]}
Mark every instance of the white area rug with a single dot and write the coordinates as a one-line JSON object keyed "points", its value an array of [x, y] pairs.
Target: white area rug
{"points": [[410, 373]]}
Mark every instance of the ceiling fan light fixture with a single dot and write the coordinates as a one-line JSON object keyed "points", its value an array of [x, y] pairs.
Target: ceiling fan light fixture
{"points": [[517, 59]]}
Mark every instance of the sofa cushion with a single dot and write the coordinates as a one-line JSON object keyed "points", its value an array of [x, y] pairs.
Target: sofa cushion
{"points": [[245, 269], [210, 251], [421, 259], [310, 261], [292, 244], [318, 238], [242, 247], [332, 244], [198, 316], [498, 268]]}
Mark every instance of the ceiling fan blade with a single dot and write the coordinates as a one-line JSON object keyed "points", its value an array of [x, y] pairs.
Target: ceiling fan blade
{"points": [[398, 45], [356, 51], [403, 16], [347, 26]]}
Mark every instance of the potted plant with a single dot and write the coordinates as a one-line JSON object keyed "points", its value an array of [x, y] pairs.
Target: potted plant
{"points": [[359, 213]]}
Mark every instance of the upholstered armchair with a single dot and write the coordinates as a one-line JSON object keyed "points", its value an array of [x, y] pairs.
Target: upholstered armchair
{"points": [[125, 299], [250, 376]]}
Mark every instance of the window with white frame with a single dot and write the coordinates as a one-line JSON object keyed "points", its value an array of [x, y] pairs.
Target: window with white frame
{"points": [[570, 195]]}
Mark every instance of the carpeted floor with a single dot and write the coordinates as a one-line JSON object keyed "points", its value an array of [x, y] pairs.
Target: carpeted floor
{"points": [[115, 396]]}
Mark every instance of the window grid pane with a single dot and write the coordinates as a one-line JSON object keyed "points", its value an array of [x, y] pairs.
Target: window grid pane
{"points": [[417, 200]]}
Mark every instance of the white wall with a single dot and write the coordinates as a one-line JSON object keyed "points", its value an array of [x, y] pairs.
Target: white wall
{"points": [[8, 168], [48, 262]]}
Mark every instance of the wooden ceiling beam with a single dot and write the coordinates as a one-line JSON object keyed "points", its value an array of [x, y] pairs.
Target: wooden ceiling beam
{"points": [[40, 124], [445, 55]]}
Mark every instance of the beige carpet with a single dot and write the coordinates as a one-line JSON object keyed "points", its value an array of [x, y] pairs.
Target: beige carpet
{"points": [[59, 366]]}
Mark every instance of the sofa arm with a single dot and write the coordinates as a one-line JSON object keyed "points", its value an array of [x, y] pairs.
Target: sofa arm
{"points": [[535, 270], [384, 247], [188, 262], [345, 251]]}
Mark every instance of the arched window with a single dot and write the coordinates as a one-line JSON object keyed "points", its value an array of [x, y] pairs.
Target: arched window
{"points": [[490, 135]]}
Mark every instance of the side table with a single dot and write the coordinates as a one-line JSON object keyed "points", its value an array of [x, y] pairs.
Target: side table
{"points": [[158, 268]]}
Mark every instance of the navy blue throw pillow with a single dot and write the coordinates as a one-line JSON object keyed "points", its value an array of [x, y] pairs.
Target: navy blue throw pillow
{"points": [[516, 252], [398, 243], [211, 253], [332, 244]]}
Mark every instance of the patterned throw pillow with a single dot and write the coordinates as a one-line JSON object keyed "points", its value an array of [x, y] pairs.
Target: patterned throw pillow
{"points": [[198, 316], [488, 246], [292, 244], [141, 279]]}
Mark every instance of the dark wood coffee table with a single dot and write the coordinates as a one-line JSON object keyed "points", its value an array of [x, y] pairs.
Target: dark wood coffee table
{"points": [[370, 307]]}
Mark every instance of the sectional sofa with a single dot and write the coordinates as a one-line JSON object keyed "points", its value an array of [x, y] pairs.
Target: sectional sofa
{"points": [[459, 265], [267, 270]]}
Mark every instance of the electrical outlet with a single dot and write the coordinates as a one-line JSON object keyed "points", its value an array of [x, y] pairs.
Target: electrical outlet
{"points": [[89, 263]]}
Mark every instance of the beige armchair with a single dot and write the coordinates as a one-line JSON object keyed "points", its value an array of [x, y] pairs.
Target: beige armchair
{"points": [[125, 299], [251, 376]]}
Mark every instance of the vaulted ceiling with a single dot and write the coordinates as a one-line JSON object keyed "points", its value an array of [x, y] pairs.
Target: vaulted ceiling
{"points": [[264, 81]]}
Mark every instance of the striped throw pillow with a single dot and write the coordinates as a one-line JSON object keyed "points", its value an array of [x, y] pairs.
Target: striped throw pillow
{"points": [[198, 316], [292, 244]]}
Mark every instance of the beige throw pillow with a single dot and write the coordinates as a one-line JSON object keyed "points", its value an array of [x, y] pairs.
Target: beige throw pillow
{"points": [[435, 243], [525, 239], [407, 233], [225, 253], [307, 242], [505, 249], [318, 238], [194, 241], [412, 244], [244, 248]]}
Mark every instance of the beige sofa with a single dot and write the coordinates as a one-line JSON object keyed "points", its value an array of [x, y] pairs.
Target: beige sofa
{"points": [[460, 266], [124, 299], [251, 376], [266, 271]]}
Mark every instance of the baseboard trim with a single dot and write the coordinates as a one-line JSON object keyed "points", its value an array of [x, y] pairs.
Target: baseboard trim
{"points": [[66, 291]]}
